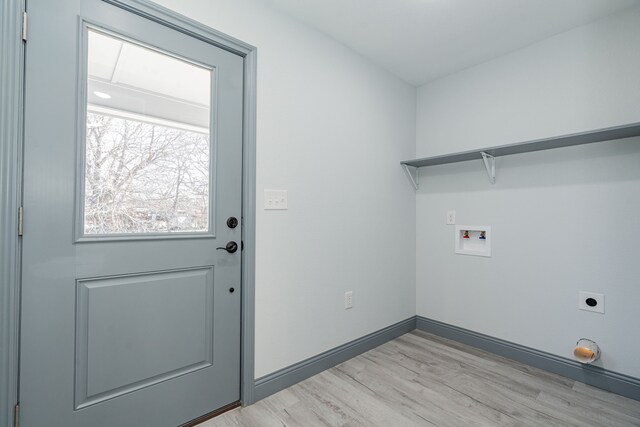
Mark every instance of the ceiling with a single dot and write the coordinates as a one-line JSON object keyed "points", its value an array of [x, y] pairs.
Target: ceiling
{"points": [[145, 83], [421, 40]]}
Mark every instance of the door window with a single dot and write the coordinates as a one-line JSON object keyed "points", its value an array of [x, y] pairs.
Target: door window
{"points": [[147, 151]]}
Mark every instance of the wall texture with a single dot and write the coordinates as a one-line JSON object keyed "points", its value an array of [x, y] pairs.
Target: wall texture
{"points": [[563, 220], [332, 128]]}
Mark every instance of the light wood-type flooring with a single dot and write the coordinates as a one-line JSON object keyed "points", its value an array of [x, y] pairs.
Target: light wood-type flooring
{"points": [[420, 379]]}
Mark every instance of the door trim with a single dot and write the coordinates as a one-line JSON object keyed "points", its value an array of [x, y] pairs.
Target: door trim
{"points": [[11, 78], [11, 138]]}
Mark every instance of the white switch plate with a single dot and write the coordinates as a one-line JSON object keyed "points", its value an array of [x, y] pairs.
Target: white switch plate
{"points": [[582, 302], [276, 199], [348, 300], [451, 217]]}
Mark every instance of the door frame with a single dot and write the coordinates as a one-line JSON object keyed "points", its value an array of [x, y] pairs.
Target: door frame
{"points": [[11, 125], [11, 146]]}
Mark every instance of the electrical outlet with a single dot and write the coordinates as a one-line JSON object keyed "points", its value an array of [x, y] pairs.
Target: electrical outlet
{"points": [[591, 302], [451, 217], [348, 300]]}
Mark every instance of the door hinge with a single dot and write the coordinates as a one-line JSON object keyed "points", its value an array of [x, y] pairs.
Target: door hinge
{"points": [[24, 26], [20, 220], [16, 416]]}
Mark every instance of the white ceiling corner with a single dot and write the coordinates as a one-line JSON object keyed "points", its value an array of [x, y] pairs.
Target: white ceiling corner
{"points": [[421, 40]]}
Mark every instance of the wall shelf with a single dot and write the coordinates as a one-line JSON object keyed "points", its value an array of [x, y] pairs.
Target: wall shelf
{"points": [[488, 154]]}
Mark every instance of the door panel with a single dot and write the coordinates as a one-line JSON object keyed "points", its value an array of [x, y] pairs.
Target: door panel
{"points": [[132, 162], [138, 330]]}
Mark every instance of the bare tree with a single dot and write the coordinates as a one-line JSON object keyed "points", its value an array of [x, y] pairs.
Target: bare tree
{"points": [[141, 177]]}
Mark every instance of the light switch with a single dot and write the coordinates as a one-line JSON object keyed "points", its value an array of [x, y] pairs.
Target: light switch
{"points": [[275, 200]]}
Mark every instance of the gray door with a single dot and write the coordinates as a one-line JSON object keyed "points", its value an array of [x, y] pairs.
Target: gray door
{"points": [[132, 169]]}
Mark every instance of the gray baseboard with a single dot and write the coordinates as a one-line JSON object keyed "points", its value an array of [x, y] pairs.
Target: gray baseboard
{"points": [[286, 377], [621, 384], [593, 375]]}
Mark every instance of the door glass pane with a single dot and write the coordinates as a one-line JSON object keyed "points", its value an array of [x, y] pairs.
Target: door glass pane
{"points": [[147, 155]]}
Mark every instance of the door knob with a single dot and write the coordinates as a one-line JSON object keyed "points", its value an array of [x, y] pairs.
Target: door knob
{"points": [[232, 222], [230, 247]]}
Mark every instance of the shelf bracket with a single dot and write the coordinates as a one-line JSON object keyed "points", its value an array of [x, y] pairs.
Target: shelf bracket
{"points": [[490, 165], [412, 173]]}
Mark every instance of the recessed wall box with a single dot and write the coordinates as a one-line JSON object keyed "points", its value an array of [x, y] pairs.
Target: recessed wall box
{"points": [[473, 240], [590, 301]]}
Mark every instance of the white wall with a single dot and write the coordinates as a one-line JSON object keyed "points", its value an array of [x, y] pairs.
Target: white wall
{"points": [[563, 220], [332, 129]]}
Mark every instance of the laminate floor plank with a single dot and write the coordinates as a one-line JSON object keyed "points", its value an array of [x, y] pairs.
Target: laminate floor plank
{"points": [[583, 408], [512, 403], [579, 405], [421, 379], [439, 385], [546, 376], [431, 403]]}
